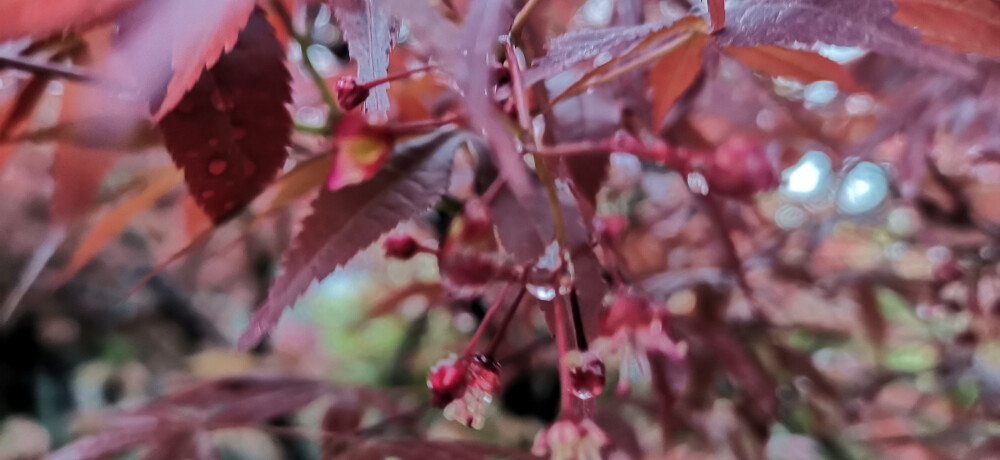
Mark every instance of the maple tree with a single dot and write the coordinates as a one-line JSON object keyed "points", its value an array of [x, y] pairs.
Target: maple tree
{"points": [[763, 228]]}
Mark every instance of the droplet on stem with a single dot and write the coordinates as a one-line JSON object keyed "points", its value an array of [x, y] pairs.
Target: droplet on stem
{"points": [[551, 275], [586, 373]]}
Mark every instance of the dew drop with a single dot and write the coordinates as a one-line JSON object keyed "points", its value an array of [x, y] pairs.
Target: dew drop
{"points": [[586, 374], [217, 166], [551, 275], [541, 291]]}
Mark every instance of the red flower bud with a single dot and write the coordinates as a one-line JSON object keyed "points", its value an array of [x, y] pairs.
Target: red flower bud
{"points": [[739, 167], [349, 93], [447, 381], [400, 246], [628, 312]]}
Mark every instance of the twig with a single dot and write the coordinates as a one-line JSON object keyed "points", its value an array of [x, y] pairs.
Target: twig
{"points": [[304, 42], [44, 68]]}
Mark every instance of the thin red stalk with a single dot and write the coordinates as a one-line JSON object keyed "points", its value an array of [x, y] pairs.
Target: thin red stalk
{"points": [[417, 127], [504, 324], [562, 345], [494, 190], [485, 322], [398, 76]]}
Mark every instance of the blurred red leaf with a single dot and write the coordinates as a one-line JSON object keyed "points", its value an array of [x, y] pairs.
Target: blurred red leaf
{"points": [[802, 65], [16, 114], [166, 46], [195, 220], [77, 172], [349, 219], [230, 131], [865, 24], [158, 183], [39, 19], [439, 450], [674, 73], [966, 26], [717, 11], [307, 176], [106, 444], [370, 33]]}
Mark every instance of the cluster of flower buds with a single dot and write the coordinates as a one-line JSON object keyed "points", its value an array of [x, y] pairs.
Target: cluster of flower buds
{"points": [[464, 388], [632, 327], [739, 167], [571, 440]]}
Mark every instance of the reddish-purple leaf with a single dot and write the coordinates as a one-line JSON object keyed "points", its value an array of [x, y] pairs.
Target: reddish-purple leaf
{"points": [[524, 232], [966, 26], [431, 31], [39, 19], [802, 65], [866, 24], [594, 115], [439, 450], [184, 445], [579, 45], [674, 73], [230, 131], [232, 390], [485, 23], [370, 33], [168, 45], [348, 220], [106, 444]]}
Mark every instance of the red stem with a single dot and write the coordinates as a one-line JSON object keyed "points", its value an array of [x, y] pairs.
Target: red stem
{"points": [[399, 76], [505, 323], [418, 127], [562, 345], [486, 320]]}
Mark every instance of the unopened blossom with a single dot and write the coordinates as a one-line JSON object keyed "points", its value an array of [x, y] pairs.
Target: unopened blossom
{"points": [[464, 388], [571, 440], [632, 328]]}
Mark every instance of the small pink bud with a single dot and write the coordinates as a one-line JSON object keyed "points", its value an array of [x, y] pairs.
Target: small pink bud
{"points": [[349, 93], [400, 246], [446, 381]]}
